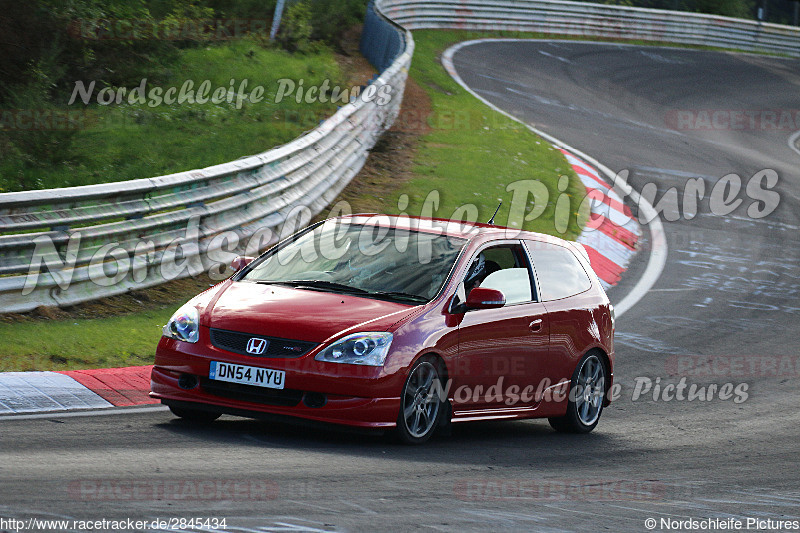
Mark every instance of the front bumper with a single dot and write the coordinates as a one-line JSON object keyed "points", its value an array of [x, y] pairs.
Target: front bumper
{"points": [[343, 394]]}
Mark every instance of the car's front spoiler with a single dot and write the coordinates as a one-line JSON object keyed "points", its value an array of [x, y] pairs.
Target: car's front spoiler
{"points": [[344, 410]]}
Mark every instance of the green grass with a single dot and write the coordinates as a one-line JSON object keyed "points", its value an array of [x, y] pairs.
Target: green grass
{"points": [[472, 154], [127, 340], [123, 142]]}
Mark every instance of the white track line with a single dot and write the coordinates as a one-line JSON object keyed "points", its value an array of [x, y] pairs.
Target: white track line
{"points": [[35, 392], [793, 142], [658, 250], [88, 412]]}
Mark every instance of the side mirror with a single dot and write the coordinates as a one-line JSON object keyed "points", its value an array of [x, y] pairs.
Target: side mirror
{"points": [[485, 298], [241, 261]]}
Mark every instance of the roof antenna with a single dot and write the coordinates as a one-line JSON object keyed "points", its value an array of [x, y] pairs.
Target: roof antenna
{"points": [[491, 220]]}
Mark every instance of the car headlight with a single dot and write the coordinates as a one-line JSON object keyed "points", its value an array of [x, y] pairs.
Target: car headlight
{"points": [[184, 324], [358, 349]]}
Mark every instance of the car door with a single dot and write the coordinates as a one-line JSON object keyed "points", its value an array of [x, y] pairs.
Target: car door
{"points": [[501, 351]]}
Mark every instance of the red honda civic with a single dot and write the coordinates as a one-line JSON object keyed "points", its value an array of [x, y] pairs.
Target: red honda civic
{"points": [[397, 322]]}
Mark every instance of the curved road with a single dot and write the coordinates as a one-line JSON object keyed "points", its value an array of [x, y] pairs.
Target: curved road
{"points": [[729, 293]]}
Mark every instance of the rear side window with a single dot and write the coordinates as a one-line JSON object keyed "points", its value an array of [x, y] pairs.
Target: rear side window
{"points": [[559, 271]]}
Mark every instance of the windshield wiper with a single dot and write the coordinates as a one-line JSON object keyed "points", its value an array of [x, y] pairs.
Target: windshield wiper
{"points": [[320, 284], [400, 296]]}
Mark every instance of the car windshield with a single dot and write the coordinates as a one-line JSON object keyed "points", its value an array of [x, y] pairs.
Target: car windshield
{"points": [[366, 260]]}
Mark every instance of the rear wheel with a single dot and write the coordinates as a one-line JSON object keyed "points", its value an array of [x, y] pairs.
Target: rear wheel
{"points": [[587, 391], [194, 415], [420, 405]]}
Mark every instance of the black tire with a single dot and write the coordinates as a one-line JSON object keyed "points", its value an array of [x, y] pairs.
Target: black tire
{"points": [[421, 408], [586, 396], [196, 416]]}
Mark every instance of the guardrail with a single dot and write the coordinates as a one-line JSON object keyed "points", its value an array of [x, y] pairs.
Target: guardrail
{"points": [[381, 42], [595, 20], [65, 246], [185, 217]]}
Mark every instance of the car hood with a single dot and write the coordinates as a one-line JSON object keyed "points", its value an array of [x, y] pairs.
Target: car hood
{"points": [[300, 314]]}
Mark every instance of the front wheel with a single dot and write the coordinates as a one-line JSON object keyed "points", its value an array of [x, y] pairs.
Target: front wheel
{"points": [[420, 407], [586, 396]]}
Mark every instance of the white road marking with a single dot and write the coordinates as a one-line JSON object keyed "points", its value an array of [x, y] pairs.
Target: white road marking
{"points": [[793, 142], [562, 59], [29, 392], [93, 411], [705, 303]]}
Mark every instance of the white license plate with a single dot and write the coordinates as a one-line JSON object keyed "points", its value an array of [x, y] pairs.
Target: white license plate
{"points": [[247, 375]]}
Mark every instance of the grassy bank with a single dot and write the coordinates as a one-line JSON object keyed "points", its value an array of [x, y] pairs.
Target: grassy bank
{"points": [[471, 154], [112, 332], [128, 141], [127, 340]]}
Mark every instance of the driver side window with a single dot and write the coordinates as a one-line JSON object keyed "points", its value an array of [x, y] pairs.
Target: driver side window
{"points": [[504, 268]]}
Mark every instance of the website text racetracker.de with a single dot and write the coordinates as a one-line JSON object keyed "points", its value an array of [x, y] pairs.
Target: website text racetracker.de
{"points": [[124, 524]]}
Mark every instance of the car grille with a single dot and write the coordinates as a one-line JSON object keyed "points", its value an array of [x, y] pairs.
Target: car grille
{"points": [[249, 393], [236, 342]]}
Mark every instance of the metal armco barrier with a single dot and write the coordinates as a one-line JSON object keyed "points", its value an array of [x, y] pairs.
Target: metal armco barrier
{"points": [[595, 20], [112, 238], [381, 42]]}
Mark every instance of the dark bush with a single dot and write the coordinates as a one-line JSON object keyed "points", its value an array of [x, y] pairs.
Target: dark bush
{"points": [[296, 30]]}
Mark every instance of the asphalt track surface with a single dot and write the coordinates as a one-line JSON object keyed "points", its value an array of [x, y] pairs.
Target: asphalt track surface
{"points": [[729, 291]]}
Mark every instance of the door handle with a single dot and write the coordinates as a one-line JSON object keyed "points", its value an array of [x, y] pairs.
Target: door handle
{"points": [[536, 325]]}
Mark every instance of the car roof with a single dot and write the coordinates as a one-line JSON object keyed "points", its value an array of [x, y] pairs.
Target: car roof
{"points": [[450, 228]]}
